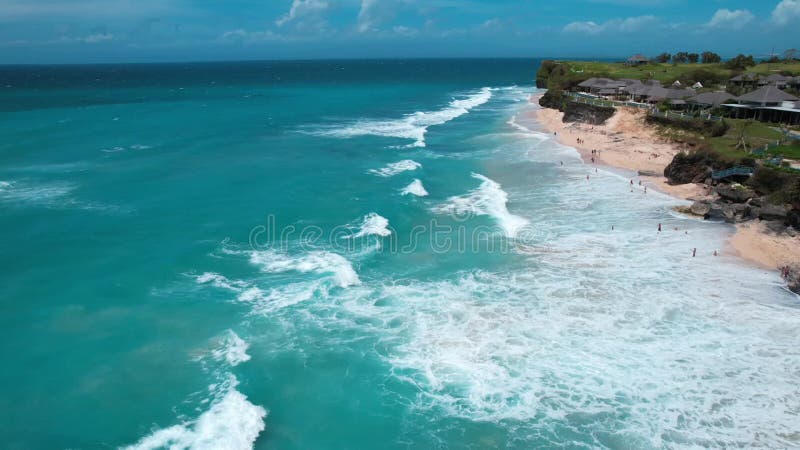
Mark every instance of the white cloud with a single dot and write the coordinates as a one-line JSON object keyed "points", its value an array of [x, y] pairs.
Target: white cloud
{"points": [[405, 31], [787, 11], [302, 9], [627, 25], [725, 18], [372, 13]]}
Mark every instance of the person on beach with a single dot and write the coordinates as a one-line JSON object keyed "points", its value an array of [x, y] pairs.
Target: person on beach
{"points": [[645, 189], [631, 182], [715, 253], [694, 252], [587, 177], [659, 228], [562, 163]]}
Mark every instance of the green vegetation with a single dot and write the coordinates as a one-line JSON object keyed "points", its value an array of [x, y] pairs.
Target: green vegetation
{"points": [[711, 128], [780, 185], [567, 74], [787, 151]]}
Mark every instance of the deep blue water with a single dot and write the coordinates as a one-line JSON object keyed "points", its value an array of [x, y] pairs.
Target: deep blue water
{"points": [[148, 298]]}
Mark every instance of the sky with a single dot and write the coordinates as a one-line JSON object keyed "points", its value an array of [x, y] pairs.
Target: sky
{"points": [[91, 31]]}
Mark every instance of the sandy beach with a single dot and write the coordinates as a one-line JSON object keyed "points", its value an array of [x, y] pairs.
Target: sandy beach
{"points": [[626, 142]]}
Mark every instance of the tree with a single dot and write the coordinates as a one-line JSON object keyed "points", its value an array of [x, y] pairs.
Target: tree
{"points": [[789, 55], [680, 58], [710, 57], [663, 58], [740, 62], [693, 57]]}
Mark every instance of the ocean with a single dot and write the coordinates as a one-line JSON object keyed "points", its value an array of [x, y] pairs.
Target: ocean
{"points": [[359, 255]]}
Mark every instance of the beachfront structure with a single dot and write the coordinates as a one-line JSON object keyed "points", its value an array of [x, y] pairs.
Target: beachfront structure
{"points": [[777, 80], [768, 95], [745, 80], [637, 60], [767, 104], [710, 99]]}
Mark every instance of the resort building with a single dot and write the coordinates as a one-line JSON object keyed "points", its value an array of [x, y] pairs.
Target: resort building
{"points": [[638, 60], [767, 104]]}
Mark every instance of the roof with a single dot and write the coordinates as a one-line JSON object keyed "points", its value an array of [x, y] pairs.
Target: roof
{"points": [[588, 83], [766, 94], [638, 58], [711, 98], [746, 77], [778, 77], [679, 93]]}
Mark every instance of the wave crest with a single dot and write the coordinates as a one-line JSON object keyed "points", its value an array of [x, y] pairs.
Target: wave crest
{"points": [[413, 126]]}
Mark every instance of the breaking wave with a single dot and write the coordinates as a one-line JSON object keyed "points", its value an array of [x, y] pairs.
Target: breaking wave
{"points": [[232, 422], [395, 168], [489, 199], [413, 126], [415, 188]]}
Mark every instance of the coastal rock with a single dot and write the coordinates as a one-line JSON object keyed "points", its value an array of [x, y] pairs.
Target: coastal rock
{"points": [[687, 167], [756, 201], [716, 212], [700, 209], [729, 213], [735, 193], [589, 114], [793, 219], [773, 212]]}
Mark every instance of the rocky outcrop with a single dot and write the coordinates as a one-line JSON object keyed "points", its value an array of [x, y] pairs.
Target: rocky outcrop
{"points": [[688, 168], [589, 114], [735, 193], [773, 212], [700, 209]]}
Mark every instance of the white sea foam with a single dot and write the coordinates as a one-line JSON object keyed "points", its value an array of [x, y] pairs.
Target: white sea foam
{"points": [[221, 281], [51, 195], [395, 168], [373, 225], [581, 347], [232, 349], [488, 199], [231, 423], [415, 188], [413, 126], [118, 149], [320, 262]]}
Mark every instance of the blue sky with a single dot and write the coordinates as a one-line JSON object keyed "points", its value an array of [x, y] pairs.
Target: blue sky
{"points": [[74, 31]]}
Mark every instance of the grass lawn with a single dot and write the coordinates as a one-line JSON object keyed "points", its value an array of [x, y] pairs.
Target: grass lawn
{"points": [[787, 151], [667, 73], [756, 134]]}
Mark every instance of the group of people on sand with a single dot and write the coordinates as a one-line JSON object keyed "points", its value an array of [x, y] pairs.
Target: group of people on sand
{"points": [[785, 272]]}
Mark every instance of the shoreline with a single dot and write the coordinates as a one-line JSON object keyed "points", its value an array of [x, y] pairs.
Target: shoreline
{"points": [[625, 142]]}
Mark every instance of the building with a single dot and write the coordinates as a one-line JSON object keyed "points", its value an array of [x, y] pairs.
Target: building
{"points": [[708, 100], [777, 80], [637, 60], [767, 104], [745, 80]]}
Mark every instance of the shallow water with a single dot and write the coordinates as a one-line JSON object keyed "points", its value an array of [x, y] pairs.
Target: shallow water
{"points": [[202, 256]]}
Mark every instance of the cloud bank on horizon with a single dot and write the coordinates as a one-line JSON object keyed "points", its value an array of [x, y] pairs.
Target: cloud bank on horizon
{"points": [[157, 30]]}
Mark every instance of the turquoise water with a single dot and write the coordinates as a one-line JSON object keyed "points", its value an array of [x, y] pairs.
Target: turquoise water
{"points": [[148, 298]]}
